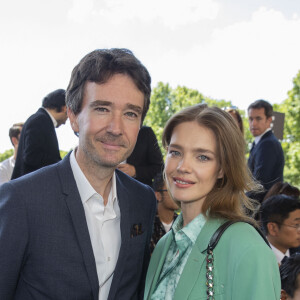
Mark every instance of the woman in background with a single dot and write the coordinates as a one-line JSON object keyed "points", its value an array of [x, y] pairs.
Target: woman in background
{"points": [[236, 115], [206, 174]]}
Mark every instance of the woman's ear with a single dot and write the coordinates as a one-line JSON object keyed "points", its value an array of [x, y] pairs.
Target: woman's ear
{"points": [[220, 174]]}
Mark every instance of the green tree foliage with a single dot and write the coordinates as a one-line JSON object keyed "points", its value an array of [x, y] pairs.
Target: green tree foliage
{"points": [[166, 101], [291, 138], [6, 154]]}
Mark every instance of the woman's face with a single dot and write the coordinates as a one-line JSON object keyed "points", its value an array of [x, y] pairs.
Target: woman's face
{"points": [[192, 166]]}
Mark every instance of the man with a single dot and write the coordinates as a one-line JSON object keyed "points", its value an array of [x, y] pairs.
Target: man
{"points": [[81, 229], [266, 160], [290, 278], [38, 146], [166, 208], [146, 159], [280, 219], [7, 166]]}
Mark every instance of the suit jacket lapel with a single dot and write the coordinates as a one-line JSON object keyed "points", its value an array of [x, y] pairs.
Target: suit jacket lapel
{"points": [[156, 265], [75, 206], [122, 194], [196, 261]]}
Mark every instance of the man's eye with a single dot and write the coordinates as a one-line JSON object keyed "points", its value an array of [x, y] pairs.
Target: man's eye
{"points": [[131, 114], [101, 109], [174, 153]]}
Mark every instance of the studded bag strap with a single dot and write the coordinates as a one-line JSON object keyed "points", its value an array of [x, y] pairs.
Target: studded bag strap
{"points": [[210, 255]]}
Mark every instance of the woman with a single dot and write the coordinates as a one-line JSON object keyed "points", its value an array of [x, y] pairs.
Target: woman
{"points": [[206, 174], [236, 115]]}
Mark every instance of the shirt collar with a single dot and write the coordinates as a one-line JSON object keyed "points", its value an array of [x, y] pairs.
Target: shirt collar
{"points": [[257, 138], [52, 118], [279, 255], [191, 230], [86, 191]]}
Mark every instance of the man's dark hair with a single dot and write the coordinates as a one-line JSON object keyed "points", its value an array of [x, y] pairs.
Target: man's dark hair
{"points": [[289, 271], [15, 131], [55, 100], [158, 182], [99, 66], [276, 209], [262, 104]]}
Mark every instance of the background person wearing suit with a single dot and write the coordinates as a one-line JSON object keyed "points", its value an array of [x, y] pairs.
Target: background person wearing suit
{"points": [[280, 220], [80, 229], [206, 173], [146, 159], [38, 145], [266, 159]]}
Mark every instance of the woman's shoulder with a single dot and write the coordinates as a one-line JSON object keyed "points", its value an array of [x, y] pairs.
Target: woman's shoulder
{"points": [[244, 236]]}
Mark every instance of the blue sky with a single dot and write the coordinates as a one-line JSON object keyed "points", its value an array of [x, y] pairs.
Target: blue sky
{"points": [[229, 49]]}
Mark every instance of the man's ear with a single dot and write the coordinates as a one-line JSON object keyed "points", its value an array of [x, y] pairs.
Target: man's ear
{"points": [[73, 120], [158, 196], [283, 295], [15, 141], [272, 228]]}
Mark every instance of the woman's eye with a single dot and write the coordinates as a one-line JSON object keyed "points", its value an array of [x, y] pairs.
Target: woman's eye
{"points": [[203, 157]]}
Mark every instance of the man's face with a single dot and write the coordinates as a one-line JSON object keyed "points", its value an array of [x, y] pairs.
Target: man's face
{"points": [[166, 201], [287, 235], [109, 121], [258, 121], [61, 117]]}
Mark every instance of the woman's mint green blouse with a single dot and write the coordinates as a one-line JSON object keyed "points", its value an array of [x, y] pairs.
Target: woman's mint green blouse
{"points": [[181, 246]]}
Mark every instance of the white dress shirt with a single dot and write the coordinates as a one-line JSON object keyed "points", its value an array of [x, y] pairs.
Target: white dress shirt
{"points": [[103, 225], [52, 118], [258, 138], [6, 169], [279, 255]]}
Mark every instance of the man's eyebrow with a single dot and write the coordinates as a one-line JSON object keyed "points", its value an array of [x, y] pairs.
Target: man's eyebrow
{"points": [[100, 102], [136, 108]]}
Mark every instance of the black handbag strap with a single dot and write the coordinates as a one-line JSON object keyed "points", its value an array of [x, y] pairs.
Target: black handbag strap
{"points": [[219, 232]]}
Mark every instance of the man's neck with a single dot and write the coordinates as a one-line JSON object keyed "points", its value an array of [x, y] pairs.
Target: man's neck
{"points": [[165, 215], [99, 177], [276, 244]]}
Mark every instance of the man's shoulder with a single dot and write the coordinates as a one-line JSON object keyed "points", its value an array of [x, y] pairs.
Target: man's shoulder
{"points": [[44, 175], [41, 116], [130, 182]]}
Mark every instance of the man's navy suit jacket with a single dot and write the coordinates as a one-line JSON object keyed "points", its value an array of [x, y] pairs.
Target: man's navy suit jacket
{"points": [[38, 145], [266, 162], [45, 247]]}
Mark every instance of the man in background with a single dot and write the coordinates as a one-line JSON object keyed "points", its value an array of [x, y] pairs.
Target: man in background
{"points": [[290, 278], [266, 159], [7, 166], [38, 145], [166, 210], [146, 160], [280, 219]]}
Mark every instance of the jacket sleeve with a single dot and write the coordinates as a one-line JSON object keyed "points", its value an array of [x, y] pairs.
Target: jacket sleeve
{"points": [[13, 240]]}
